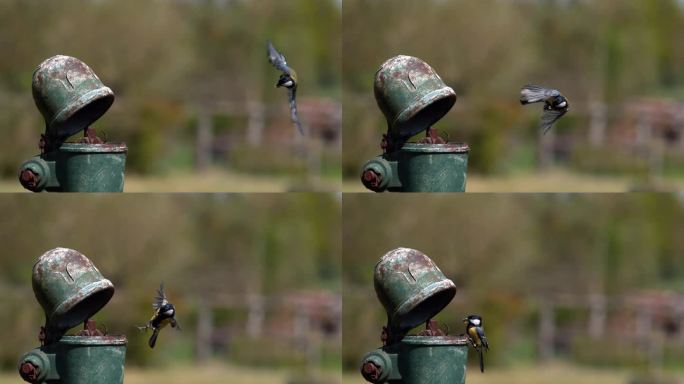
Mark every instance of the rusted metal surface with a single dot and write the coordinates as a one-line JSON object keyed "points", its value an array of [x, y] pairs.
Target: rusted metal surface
{"points": [[69, 288], [411, 288], [69, 95], [411, 96], [432, 329], [29, 179], [90, 329], [90, 137], [29, 372], [371, 371], [372, 179], [79, 167]]}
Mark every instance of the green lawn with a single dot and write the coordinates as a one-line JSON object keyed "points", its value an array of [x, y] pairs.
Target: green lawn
{"points": [[556, 373], [210, 181], [212, 373], [556, 180]]}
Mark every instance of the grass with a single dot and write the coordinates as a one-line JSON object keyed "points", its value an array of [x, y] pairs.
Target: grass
{"points": [[555, 180], [556, 373], [211, 373], [211, 181]]}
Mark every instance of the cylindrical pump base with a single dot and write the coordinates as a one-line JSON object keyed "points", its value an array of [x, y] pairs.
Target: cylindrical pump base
{"points": [[77, 360], [418, 167], [77, 167]]}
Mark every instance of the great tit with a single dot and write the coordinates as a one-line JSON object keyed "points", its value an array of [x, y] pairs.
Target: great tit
{"points": [[164, 314], [476, 336], [287, 79], [555, 104]]}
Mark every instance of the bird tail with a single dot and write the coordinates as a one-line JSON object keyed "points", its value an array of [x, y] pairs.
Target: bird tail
{"points": [[481, 361], [532, 94], [293, 110], [153, 338]]}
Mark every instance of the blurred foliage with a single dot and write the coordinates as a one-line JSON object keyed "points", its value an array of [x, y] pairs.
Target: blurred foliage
{"points": [[201, 246], [163, 59], [505, 253], [604, 52]]}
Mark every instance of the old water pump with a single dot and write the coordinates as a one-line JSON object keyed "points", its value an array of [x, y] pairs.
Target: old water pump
{"points": [[413, 290], [413, 98], [71, 97], [71, 290]]}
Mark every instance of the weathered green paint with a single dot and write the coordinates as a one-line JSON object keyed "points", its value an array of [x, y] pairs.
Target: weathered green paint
{"points": [[422, 360], [411, 288], [421, 168], [78, 167], [80, 360], [411, 95], [69, 288], [69, 95]]}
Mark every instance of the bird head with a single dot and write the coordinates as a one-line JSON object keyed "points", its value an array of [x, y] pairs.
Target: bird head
{"points": [[168, 309], [473, 320]]}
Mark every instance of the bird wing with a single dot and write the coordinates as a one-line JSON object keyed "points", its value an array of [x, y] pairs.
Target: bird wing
{"points": [[160, 300], [483, 338], [536, 94], [292, 95], [277, 59], [549, 117], [174, 324]]}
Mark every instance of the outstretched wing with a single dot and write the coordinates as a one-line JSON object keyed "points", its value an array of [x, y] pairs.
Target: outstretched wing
{"points": [[292, 94], [277, 59], [536, 94], [549, 117], [160, 300]]}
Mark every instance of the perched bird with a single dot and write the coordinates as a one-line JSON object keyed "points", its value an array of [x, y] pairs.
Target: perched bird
{"points": [[555, 104], [164, 314], [287, 79], [476, 336]]}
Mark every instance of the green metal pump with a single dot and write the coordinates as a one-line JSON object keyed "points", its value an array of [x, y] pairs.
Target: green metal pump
{"points": [[71, 97], [413, 98], [413, 290], [71, 290]]}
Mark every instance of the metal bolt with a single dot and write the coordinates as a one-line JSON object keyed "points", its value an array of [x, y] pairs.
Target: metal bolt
{"points": [[29, 372], [371, 179], [29, 179], [371, 371]]}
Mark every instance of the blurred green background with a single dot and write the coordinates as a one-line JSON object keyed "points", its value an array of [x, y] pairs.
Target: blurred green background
{"points": [[572, 288], [196, 98], [618, 62], [255, 280]]}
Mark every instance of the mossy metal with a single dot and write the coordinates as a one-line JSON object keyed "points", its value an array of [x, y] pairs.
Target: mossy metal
{"points": [[71, 290], [421, 168], [412, 290], [79, 360], [412, 98], [71, 97], [421, 360], [78, 167], [411, 95]]}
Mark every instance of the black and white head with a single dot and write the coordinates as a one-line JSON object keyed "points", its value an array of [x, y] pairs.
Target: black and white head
{"points": [[473, 320], [167, 310]]}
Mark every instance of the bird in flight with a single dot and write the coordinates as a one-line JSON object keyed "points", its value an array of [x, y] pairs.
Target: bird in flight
{"points": [[555, 104], [287, 79], [164, 314]]}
